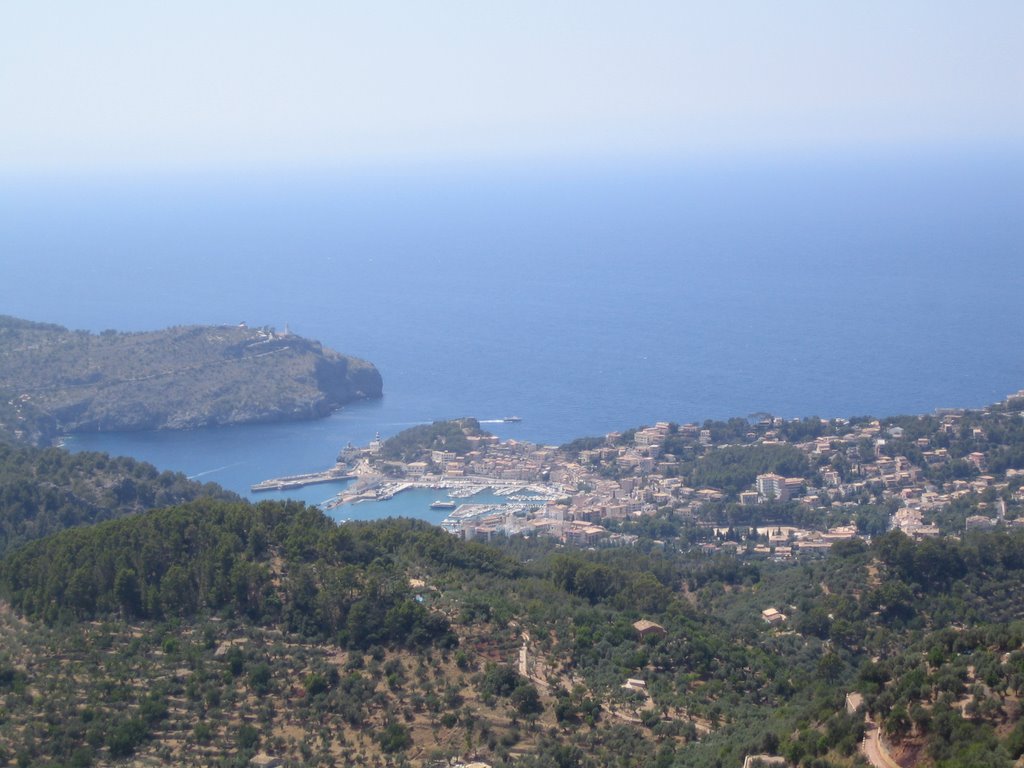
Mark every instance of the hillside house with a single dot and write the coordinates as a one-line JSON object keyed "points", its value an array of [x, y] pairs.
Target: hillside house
{"points": [[646, 628]]}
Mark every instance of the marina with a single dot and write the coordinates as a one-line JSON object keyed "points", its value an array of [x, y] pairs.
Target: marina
{"points": [[477, 514], [375, 487], [470, 507]]}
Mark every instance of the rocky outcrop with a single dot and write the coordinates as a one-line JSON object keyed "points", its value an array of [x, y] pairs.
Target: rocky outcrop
{"points": [[179, 378]]}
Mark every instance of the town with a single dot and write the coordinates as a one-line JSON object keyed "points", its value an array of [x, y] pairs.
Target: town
{"points": [[759, 487]]}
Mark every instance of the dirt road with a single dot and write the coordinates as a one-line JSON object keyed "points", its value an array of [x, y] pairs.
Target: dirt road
{"points": [[874, 750]]}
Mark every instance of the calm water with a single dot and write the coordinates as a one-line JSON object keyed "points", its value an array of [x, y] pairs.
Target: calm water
{"points": [[583, 301]]}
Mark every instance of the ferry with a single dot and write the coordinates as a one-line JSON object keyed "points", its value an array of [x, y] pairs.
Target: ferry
{"points": [[513, 419], [440, 504]]}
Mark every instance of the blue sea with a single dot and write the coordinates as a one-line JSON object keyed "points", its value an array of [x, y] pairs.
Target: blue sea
{"points": [[582, 299]]}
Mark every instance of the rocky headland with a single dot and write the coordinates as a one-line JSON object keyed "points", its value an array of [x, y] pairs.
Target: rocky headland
{"points": [[56, 381]]}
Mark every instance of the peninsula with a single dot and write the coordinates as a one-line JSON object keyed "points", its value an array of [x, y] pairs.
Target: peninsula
{"points": [[56, 381]]}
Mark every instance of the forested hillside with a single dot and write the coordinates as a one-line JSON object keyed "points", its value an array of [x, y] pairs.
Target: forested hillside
{"points": [[44, 490], [202, 633], [274, 563]]}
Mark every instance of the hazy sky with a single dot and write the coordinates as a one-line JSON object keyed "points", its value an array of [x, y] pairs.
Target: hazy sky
{"points": [[138, 85]]}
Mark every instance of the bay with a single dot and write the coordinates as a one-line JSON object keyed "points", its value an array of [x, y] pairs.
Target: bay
{"points": [[584, 300]]}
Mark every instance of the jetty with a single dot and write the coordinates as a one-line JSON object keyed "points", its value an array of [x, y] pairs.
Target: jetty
{"points": [[334, 474]]}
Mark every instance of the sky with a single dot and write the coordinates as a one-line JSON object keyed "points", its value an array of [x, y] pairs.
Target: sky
{"points": [[129, 86]]}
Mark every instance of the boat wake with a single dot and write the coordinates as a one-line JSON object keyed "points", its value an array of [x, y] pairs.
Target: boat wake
{"points": [[212, 471]]}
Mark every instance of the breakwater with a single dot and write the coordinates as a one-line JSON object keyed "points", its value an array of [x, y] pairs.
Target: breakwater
{"points": [[289, 482]]}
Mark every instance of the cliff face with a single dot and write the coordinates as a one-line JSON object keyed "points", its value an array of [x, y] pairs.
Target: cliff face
{"points": [[179, 378]]}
